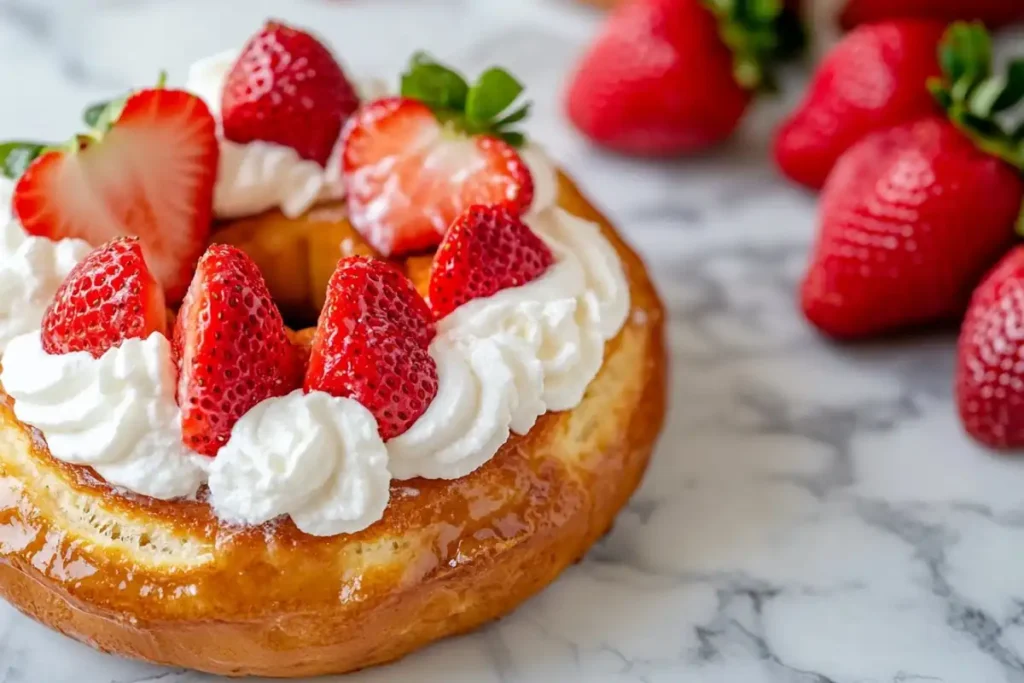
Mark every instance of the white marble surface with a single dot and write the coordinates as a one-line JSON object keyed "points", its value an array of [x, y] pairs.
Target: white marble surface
{"points": [[813, 515]]}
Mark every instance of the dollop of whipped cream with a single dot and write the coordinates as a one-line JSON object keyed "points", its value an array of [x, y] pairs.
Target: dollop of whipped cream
{"points": [[315, 457], [505, 360], [115, 413], [31, 271], [257, 176]]}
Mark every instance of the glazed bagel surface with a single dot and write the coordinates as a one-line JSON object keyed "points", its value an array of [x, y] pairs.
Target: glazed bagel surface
{"points": [[166, 582]]}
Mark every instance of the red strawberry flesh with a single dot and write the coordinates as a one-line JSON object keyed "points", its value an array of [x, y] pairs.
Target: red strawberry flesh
{"points": [[371, 345], [107, 298], [287, 88], [233, 350], [486, 250]]}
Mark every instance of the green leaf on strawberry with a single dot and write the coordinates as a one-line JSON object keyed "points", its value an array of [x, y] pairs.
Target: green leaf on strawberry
{"points": [[481, 108], [16, 156], [976, 99], [751, 29]]}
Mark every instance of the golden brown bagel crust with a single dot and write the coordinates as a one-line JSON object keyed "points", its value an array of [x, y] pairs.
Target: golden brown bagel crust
{"points": [[167, 583]]}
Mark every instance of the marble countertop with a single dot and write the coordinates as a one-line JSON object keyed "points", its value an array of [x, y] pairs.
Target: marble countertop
{"points": [[814, 513]]}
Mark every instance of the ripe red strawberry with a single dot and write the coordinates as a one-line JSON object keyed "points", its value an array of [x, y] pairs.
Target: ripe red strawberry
{"points": [[150, 175], [990, 369], [287, 88], [413, 163], [912, 217], [873, 79], [994, 13], [670, 77], [486, 250], [371, 345], [107, 298], [232, 348]]}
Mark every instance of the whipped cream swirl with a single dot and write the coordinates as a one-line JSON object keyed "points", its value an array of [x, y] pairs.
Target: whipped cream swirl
{"points": [[506, 359], [116, 413], [315, 457], [31, 271]]}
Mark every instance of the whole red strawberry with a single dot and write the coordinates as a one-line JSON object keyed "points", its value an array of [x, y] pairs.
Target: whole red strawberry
{"points": [[871, 80], [232, 348], [672, 76], [110, 296], [911, 218], [994, 13], [371, 344], [148, 171], [989, 369], [487, 249], [413, 163], [287, 88]]}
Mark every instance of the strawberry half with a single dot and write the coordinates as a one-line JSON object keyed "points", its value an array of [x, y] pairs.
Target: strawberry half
{"points": [[486, 250], [151, 175], [287, 88], [232, 348], [109, 297], [371, 345], [412, 164]]}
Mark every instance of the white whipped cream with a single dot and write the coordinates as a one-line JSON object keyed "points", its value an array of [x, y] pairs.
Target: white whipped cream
{"points": [[315, 457], [31, 271], [258, 176], [116, 413], [506, 359]]}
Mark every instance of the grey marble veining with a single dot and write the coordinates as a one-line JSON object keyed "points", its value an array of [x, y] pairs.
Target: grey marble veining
{"points": [[814, 513]]}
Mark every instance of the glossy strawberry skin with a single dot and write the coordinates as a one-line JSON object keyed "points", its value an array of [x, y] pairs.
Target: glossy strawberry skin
{"points": [[994, 13], [287, 88], [107, 298], [872, 80], [408, 178], [231, 346], [910, 220], [658, 81], [372, 348], [990, 357], [487, 249], [151, 176]]}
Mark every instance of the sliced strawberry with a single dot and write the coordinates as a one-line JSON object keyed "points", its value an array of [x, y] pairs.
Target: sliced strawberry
{"points": [[487, 249], [109, 297], [376, 289], [371, 345], [232, 347], [287, 88], [150, 176], [408, 176]]}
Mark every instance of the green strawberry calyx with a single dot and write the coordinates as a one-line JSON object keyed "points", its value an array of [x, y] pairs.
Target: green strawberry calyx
{"points": [[978, 101], [484, 108], [751, 29], [18, 155]]}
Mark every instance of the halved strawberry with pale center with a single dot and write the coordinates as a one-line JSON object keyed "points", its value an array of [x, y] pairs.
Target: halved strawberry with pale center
{"points": [[151, 175], [107, 298], [408, 176]]}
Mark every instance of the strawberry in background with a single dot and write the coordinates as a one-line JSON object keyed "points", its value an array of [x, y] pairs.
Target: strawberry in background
{"points": [[912, 217], [989, 371], [993, 13], [874, 78], [668, 77]]}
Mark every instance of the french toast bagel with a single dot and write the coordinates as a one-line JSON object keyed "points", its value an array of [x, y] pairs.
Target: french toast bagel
{"points": [[166, 582]]}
